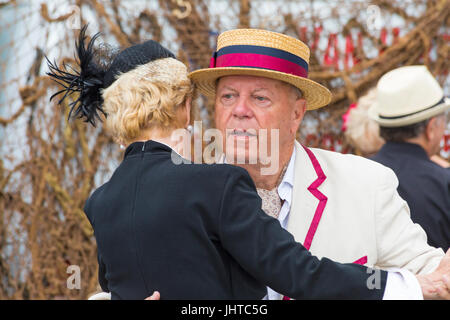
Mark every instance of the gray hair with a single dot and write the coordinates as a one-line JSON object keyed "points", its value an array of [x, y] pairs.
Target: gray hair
{"points": [[297, 92], [401, 134]]}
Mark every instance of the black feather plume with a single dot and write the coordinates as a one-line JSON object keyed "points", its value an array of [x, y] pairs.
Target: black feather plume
{"points": [[87, 82]]}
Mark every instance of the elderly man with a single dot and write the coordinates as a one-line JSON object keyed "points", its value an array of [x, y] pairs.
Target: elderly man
{"points": [[342, 207], [410, 110]]}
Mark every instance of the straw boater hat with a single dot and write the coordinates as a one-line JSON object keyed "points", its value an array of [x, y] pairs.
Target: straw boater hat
{"points": [[407, 95], [266, 54]]}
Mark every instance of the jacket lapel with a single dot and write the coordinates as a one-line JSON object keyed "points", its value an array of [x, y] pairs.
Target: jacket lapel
{"points": [[308, 202]]}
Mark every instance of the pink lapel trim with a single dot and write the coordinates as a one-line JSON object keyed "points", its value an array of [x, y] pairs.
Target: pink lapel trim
{"points": [[322, 202], [319, 195], [362, 260]]}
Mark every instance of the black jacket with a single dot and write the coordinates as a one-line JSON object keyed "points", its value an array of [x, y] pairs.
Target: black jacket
{"points": [[197, 231], [424, 185]]}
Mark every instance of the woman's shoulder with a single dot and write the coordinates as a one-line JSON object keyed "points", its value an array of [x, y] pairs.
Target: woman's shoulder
{"points": [[94, 195], [216, 175], [224, 170]]}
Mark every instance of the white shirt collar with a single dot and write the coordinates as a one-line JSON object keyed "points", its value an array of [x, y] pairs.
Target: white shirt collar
{"points": [[285, 190], [286, 185]]}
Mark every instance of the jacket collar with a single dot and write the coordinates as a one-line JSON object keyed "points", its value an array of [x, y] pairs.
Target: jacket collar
{"points": [[404, 148], [308, 202], [148, 146]]}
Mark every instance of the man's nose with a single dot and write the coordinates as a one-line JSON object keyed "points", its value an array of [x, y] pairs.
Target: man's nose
{"points": [[242, 109]]}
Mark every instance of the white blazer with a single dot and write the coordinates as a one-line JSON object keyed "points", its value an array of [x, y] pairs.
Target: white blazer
{"points": [[347, 208]]}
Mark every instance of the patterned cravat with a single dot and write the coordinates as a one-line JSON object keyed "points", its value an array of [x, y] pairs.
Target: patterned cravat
{"points": [[271, 202]]}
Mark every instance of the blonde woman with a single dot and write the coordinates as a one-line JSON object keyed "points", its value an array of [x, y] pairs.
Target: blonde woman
{"points": [[189, 231], [362, 132]]}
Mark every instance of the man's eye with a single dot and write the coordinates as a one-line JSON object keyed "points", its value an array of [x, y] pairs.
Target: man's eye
{"points": [[261, 99], [228, 98]]}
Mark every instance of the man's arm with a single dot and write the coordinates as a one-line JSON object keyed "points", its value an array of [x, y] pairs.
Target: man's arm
{"points": [[403, 244]]}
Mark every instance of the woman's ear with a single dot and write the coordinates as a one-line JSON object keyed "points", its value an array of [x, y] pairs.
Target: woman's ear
{"points": [[188, 106]]}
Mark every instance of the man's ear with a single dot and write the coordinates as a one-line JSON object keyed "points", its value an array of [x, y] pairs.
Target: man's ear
{"points": [[298, 114], [430, 129]]}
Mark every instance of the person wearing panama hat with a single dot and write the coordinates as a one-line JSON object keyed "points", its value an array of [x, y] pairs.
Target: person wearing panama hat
{"points": [[338, 206], [411, 111], [265, 54], [408, 95], [191, 231]]}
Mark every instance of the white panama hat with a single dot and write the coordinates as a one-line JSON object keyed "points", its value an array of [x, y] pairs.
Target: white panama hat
{"points": [[407, 95]]}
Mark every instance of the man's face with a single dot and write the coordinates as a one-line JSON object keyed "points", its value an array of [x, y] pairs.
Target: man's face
{"points": [[246, 104]]}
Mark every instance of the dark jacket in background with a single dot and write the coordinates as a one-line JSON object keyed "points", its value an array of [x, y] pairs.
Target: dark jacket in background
{"points": [[195, 231], [424, 185]]}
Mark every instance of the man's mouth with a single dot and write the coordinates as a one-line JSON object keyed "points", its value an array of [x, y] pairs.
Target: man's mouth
{"points": [[242, 133]]}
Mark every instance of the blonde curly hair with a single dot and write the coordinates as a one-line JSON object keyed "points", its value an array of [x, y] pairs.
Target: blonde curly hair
{"points": [[362, 132], [146, 97]]}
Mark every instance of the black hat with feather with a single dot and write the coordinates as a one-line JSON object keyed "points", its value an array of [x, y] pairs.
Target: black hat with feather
{"points": [[93, 76]]}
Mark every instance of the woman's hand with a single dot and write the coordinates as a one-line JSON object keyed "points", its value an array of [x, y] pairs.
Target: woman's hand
{"points": [[155, 296]]}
